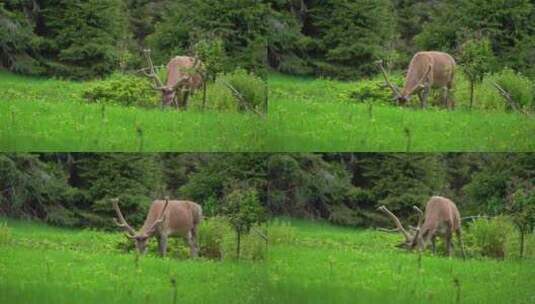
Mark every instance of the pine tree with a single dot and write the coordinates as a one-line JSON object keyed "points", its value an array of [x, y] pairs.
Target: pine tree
{"points": [[82, 38]]}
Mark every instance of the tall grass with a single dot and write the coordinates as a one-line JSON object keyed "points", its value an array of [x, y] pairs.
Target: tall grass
{"points": [[49, 115], [320, 115], [309, 263]]}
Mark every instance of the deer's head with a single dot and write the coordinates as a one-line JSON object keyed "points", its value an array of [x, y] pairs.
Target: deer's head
{"points": [[142, 236], [413, 238]]}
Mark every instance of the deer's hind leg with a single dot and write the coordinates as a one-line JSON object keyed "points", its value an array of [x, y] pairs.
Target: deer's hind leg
{"points": [[461, 243], [192, 241], [162, 244]]}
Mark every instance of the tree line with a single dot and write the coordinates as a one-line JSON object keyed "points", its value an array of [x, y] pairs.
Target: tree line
{"points": [[74, 189], [336, 38], [343, 38], [92, 38]]}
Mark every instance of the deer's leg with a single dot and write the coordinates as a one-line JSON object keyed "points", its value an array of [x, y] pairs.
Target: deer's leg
{"points": [[446, 97], [425, 95], [162, 244], [434, 244], [461, 244], [195, 240], [448, 243], [192, 245], [185, 100]]}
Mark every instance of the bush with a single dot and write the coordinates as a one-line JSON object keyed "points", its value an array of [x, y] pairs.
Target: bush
{"points": [[214, 233], [5, 234], [126, 90], [251, 88], [218, 98], [491, 237], [374, 90], [520, 87]]}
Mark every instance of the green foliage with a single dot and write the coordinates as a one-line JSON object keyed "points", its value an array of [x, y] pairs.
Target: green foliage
{"points": [[243, 210], [212, 54], [373, 91], [251, 90], [81, 37], [239, 24], [521, 88], [120, 89], [477, 58], [17, 39], [491, 237], [508, 26], [351, 35]]}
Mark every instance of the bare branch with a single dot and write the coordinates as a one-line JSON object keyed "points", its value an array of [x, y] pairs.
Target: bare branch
{"points": [[396, 222], [508, 98], [130, 232]]}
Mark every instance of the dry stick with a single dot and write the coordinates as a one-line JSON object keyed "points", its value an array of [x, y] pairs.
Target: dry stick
{"points": [[507, 96], [239, 97]]}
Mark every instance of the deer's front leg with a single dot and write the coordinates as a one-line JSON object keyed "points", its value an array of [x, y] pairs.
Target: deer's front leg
{"points": [[162, 243], [425, 95]]}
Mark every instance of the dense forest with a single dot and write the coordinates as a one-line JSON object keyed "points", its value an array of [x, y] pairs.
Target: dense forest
{"points": [[343, 38], [86, 39], [74, 189], [339, 38]]}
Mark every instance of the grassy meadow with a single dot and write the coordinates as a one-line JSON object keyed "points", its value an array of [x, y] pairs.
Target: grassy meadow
{"points": [[308, 114], [38, 114], [306, 262]]}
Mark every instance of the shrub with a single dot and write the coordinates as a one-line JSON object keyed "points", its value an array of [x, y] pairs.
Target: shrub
{"points": [[214, 233], [519, 86], [126, 90], [5, 234], [218, 98], [250, 87], [491, 237], [374, 90]]}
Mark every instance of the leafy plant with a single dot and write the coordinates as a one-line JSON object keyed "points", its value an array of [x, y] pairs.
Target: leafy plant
{"points": [[5, 234], [490, 237], [126, 90], [248, 90]]}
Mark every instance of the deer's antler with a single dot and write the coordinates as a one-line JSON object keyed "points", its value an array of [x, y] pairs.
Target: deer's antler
{"points": [[160, 220], [393, 87], [152, 71], [396, 222], [129, 231]]}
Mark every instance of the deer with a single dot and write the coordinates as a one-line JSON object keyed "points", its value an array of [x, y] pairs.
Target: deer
{"points": [[441, 218], [426, 70], [185, 75], [165, 219]]}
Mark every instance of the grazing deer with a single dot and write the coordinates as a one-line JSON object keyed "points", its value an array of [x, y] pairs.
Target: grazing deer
{"points": [[165, 218], [441, 218], [184, 76], [427, 70]]}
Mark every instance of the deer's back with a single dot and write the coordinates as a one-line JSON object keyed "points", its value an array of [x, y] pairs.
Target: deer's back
{"points": [[443, 67], [181, 66], [180, 216], [441, 212]]}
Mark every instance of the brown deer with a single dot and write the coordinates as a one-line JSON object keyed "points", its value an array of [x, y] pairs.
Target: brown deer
{"points": [[427, 70], [165, 218], [184, 76], [441, 218]]}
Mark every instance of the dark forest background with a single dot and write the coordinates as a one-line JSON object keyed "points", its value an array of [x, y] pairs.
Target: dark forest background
{"points": [[73, 189], [338, 38]]}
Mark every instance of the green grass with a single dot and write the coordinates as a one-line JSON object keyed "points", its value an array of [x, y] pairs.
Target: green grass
{"points": [[319, 264], [316, 115], [49, 115]]}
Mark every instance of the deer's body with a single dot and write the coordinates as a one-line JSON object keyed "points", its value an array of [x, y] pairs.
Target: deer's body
{"points": [[441, 218], [429, 70], [166, 219], [182, 74]]}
